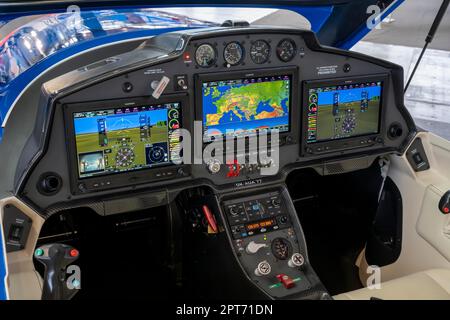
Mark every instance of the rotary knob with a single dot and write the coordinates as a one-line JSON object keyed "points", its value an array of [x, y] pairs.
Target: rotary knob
{"points": [[214, 166], [296, 261], [234, 211], [265, 163], [254, 247], [263, 269], [276, 202]]}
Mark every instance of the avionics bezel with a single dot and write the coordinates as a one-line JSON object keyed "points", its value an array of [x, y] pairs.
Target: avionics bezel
{"points": [[349, 143], [285, 137], [120, 179]]}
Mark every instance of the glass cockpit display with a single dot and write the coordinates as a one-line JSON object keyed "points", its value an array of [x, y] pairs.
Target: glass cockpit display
{"points": [[126, 139], [244, 107], [343, 111]]}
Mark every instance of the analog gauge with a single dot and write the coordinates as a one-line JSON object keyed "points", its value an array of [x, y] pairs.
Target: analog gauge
{"points": [[286, 50], [173, 114], [205, 55], [260, 51], [124, 157], [233, 53], [174, 124], [281, 248], [313, 98]]}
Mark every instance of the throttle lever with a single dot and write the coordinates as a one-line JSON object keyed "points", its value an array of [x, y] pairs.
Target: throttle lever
{"points": [[56, 257]]}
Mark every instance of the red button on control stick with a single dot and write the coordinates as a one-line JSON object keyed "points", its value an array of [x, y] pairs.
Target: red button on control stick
{"points": [[74, 253], [286, 281]]}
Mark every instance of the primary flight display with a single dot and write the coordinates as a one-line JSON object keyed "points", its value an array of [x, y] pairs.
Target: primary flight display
{"points": [[126, 139], [343, 111], [244, 107]]}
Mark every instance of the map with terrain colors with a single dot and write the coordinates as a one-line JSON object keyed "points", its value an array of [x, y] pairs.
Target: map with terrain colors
{"points": [[242, 106]]}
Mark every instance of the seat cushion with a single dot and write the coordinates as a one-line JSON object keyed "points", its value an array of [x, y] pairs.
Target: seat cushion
{"points": [[431, 284]]}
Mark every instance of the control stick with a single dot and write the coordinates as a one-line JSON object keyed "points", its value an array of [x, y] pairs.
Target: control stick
{"points": [[56, 257]]}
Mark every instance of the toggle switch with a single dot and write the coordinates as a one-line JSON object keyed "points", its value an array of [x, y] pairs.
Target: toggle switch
{"points": [[15, 232]]}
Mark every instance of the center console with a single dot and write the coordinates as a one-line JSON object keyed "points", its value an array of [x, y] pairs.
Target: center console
{"points": [[268, 242]]}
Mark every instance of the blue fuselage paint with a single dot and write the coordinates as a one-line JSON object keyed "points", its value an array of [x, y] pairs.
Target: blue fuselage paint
{"points": [[3, 295]]}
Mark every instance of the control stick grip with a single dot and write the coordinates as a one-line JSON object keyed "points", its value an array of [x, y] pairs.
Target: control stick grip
{"points": [[56, 257]]}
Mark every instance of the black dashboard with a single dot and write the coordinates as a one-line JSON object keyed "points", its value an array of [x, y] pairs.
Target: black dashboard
{"points": [[123, 125]]}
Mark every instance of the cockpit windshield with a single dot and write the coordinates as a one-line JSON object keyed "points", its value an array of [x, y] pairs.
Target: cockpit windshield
{"points": [[25, 42]]}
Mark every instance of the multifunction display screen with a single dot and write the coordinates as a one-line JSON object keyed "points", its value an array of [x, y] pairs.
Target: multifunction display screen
{"points": [[343, 111], [245, 107], [126, 139]]}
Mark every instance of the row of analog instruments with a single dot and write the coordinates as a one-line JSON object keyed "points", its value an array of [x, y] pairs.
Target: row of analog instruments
{"points": [[234, 52]]}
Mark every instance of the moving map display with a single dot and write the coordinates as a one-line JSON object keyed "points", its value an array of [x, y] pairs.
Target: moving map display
{"points": [[336, 112], [245, 106], [126, 139]]}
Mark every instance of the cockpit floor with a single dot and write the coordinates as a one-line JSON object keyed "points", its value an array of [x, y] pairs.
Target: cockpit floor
{"points": [[336, 213]]}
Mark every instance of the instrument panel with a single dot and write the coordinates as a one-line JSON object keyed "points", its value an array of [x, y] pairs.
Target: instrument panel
{"points": [[119, 123]]}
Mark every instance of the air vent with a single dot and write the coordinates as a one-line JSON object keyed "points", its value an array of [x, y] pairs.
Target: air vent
{"points": [[99, 64], [344, 166], [49, 184], [334, 168], [395, 131]]}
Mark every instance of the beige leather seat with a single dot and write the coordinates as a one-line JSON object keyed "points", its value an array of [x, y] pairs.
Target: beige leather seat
{"points": [[431, 284]]}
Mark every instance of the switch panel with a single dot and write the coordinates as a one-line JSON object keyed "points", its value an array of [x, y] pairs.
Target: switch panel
{"points": [[250, 216], [17, 227], [417, 157], [266, 243]]}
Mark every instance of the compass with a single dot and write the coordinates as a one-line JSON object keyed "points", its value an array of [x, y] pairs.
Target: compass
{"points": [[125, 157], [349, 122], [156, 154]]}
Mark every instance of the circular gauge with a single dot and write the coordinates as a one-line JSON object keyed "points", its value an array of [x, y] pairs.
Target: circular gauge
{"points": [[313, 98], [281, 248], [205, 55], [124, 157], [313, 107], [173, 114], [174, 124], [286, 50], [349, 122], [156, 154], [233, 53], [260, 51]]}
